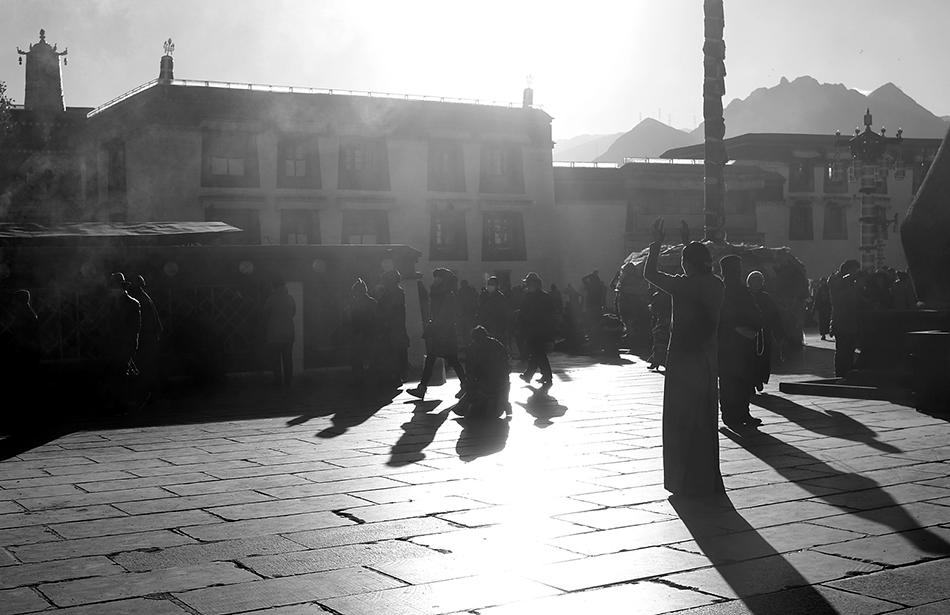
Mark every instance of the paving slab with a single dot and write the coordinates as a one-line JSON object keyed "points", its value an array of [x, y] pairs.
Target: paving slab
{"points": [[909, 585]]}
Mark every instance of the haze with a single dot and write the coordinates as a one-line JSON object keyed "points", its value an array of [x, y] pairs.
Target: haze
{"points": [[597, 67]]}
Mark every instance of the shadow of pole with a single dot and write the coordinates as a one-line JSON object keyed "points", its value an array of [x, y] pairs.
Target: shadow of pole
{"points": [[740, 563], [828, 423], [854, 494]]}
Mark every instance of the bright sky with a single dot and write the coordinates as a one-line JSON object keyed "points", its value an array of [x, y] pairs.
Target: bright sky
{"points": [[596, 66]]}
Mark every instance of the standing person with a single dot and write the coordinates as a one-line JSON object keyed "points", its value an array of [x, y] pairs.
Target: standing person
{"points": [[823, 308], [739, 323], [536, 324], [768, 343], [904, 297], [493, 312], [468, 306], [690, 415], [595, 299], [440, 332], [362, 313], [125, 321], [661, 311], [395, 339], [147, 357], [845, 314], [279, 312]]}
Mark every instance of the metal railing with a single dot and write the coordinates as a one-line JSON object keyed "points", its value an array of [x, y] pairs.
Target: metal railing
{"points": [[289, 89], [572, 164]]}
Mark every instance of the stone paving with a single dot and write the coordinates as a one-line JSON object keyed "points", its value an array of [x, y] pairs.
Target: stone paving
{"points": [[398, 507]]}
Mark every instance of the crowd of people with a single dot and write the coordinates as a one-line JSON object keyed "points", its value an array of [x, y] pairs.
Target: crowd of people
{"points": [[840, 304]]}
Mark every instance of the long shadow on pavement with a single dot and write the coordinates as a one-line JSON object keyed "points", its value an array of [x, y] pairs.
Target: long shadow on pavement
{"points": [[745, 560], [852, 493], [482, 437], [543, 406], [417, 434], [827, 423]]}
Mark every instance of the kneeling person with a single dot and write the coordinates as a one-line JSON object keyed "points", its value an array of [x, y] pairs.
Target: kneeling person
{"points": [[487, 370]]}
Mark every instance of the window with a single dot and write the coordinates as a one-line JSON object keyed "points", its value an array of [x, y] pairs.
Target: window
{"points": [[920, 170], [501, 169], [801, 176], [298, 162], [446, 167], [448, 240], [229, 159], [800, 222], [248, 220], [836, 221], [364, 164], [503, 237], [365, 226], [836, 177], [299, 226]]}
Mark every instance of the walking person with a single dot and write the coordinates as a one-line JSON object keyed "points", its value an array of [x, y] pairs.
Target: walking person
{"points": [[690, 415], [494, 312], [150, 336], [440, 332], [536, 324], [279, 312], [739, 323], [394, 361], [823, 308], [362, 314], [125, 323]]}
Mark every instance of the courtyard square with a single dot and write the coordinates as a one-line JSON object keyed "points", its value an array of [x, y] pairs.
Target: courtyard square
{"points": [[259, 500]]}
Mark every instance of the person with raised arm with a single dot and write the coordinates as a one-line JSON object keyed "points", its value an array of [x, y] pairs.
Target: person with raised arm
{"points": [[690, 391]]}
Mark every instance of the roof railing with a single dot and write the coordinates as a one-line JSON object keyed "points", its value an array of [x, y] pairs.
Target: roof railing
{"points": [[293, 89], [575, 164]]}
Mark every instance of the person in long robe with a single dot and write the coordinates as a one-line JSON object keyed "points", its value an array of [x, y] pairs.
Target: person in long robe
{"points": [[768, 343], [441, 332], [690, 390], [739, 323]]}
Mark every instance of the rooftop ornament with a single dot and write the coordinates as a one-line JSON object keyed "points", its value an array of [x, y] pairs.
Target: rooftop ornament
{"points": [[169, 47]]}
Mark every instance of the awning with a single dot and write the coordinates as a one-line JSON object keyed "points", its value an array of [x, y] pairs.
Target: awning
{"points": [[96, 232]]}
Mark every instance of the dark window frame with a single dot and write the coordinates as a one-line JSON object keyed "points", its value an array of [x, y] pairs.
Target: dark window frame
{"points": [[798, 230], [446, 166], [492, 228], [835, 225], [376, 219], [364, 164], [448, 236], [298, 149], [229, 145], [508, 177], [311, 220], [801, 175]]}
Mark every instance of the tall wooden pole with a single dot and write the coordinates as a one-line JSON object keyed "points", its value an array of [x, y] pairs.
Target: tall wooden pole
{"points": [[714, 87]]}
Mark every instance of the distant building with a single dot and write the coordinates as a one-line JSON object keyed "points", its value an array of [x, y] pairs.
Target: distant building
{"points": [[817, 211], [605, 211]]}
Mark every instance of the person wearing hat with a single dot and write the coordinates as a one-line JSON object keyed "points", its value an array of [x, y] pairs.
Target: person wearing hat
{"points": [[394, 339], [441, 332], [125, 322], [150, 335], [769, 341], [494, 312], [690, 389], [536, 320], [739, 324]]}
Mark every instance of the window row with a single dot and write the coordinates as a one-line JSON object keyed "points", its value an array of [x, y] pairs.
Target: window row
{"points": [[230, 159], [503, 235], [801, 225]]}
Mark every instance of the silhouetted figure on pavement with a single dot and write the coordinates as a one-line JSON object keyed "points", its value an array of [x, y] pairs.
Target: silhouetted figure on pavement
{"points": [[493, 311], [364, 333], [536, 324], [394, 354], [846, 305], [486, 377], [768, 341], [902, 293], [150, 336], [823, 308], [661, 311], [690, 415], [595, 301], [279, 311], [739, 324], [468, 306], [124, 322], [440, 332]]}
